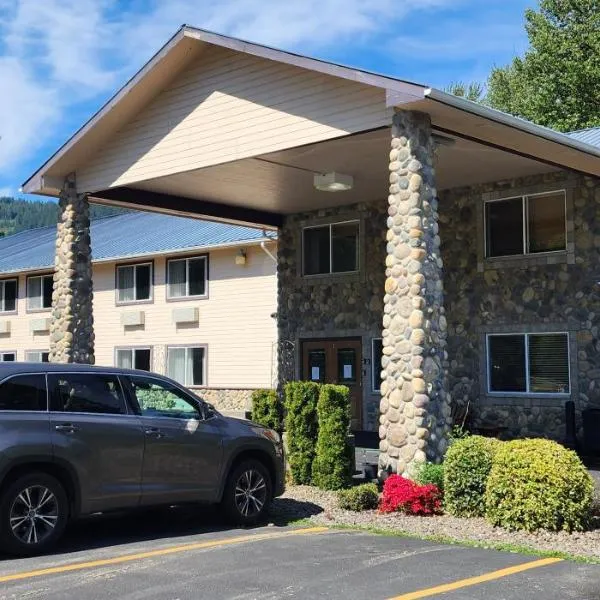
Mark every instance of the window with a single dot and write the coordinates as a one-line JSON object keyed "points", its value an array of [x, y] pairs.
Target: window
{"points": [[24, 392], [186, 365], [186, 277], [376, 354], [39, 292], [331, 248], [37, 356], [532, 363], [8, 295], [134, 358], [134, 283], [160, 399], [526, 225], [86, 393], [8, 356]]}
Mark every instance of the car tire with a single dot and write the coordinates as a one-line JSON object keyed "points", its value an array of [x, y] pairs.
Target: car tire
{"points": [[34, 511], [248, 492]]}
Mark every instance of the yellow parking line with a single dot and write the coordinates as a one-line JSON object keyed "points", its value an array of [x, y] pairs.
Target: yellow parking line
{"points": [[461, 583], [161, 552]]}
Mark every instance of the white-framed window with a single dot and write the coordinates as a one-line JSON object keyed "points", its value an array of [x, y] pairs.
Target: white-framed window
{"points": [[376, 355], [39, 292], [526, 224], [528, 363], [134, 283], [8, 295], [187, 277], [37, 356], [134, 358], [330, 248], [8, 356], [187, 364]]}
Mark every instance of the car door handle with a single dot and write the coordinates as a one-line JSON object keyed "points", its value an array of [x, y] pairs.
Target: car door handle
{"points": [[154, 432], [66, 428]]}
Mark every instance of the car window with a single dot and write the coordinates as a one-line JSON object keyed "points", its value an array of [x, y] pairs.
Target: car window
{"points": [[24, 392], [161, 399], [86, 393]]}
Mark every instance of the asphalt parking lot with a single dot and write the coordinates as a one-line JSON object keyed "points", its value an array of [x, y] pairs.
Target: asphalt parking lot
{"points": [[180, 555]]}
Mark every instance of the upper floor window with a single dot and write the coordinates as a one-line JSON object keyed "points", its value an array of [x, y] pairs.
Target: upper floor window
{"points": [[8, 356], [330, 248], [39, 292], [531, 363], [37, 356], [186, 277], [8, 295], [187, 365], [134, 283], [134, 358], [526, 225]]}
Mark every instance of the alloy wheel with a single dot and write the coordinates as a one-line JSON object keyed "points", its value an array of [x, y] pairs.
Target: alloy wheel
{"points": [[250, 493], [34, 514]]}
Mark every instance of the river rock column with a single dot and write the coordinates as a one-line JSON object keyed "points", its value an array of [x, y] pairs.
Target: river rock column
{"points": [[72, 328], [415, 407]]}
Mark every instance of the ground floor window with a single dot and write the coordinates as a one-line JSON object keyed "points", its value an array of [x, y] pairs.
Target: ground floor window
{"points": [[8, 356], [530, 363], [134, 358], [187, 364], [37, 356], [376, 352]]}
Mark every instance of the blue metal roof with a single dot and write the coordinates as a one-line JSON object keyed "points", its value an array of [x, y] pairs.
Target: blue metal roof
{"points": [[589, 136], [122, 236]]}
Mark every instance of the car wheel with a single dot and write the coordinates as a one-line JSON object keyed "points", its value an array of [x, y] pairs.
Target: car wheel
{"points": [[34, 511], [247, 493]]}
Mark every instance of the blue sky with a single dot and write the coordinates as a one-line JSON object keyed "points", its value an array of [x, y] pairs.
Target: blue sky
{"points": [[60, 60]]}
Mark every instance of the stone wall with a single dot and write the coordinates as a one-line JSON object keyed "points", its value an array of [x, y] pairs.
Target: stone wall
{"points": [[227, 400], [552, 292]]}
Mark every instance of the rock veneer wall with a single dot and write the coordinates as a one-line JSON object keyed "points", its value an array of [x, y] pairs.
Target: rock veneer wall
{"points": [[415, 409], [236, 400], [536, 293], [72, 328]]}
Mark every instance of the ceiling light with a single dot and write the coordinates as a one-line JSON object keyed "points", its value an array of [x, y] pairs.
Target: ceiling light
{"points": [[333, 182]]}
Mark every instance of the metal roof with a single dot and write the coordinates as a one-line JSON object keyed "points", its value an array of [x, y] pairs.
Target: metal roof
{"points": [[129, 235], [590, 136]]}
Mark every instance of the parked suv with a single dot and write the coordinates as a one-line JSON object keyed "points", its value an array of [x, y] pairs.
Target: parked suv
{"points": [[76, 440]]}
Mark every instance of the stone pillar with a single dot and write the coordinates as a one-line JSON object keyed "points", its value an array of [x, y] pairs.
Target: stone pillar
{"points": [[72, 329], [415, 406]]}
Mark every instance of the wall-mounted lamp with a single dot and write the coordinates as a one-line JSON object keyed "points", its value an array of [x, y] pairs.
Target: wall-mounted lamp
{"points": [[240, 257], [333, 182]]}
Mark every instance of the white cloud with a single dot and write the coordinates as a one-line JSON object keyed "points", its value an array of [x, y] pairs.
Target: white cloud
{"points": [[56, 54]]}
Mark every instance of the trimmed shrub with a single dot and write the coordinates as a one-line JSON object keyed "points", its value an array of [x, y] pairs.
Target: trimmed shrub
{"points": [[430, 474], [332, 467], [302, 428], [403, 495], [266, 409], [359, 498], [467, 466], [538, 484]]}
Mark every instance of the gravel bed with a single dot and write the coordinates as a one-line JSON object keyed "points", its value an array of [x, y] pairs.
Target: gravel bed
{"points": [[321, 507]]}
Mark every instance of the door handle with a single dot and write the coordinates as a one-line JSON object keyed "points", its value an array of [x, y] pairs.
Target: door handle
{"points": [[66, 428], [154, 432]]}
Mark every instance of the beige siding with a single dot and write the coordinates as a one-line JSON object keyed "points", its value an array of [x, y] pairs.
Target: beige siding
{"points": [[235, 322], [229, 106]]}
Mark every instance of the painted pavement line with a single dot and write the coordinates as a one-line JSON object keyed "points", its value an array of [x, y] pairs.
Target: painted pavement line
{"points": [[160, 552], [491, 576]]}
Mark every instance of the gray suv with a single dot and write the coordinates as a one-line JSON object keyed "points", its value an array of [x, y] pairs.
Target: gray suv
{"points": [[76, 440]]}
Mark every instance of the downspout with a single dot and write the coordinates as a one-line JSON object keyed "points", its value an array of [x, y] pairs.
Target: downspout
{"points": [[263, 245]]}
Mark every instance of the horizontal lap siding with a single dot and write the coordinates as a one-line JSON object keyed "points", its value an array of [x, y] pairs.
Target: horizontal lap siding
{"points": [[231, 106]]}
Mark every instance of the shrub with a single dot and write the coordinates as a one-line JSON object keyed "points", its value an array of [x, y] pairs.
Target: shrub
{"points": [[302, 427], [538, 484], [467, 466], [430, 474], [332, 467], [266, 409], [404, 495], [361, 497]]}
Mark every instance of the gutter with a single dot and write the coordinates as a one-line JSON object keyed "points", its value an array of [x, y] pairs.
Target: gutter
{"points": [[497, 116]]}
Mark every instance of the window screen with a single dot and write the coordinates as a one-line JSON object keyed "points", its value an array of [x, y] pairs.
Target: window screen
{"points": [[549, 363], [344, 247], [546, 222]]}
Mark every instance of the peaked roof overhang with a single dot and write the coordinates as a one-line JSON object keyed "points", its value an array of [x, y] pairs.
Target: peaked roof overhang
{"points": [[449, 114]]}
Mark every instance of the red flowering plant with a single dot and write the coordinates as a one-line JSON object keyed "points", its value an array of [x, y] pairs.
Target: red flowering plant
{"points": [[403, 495]]}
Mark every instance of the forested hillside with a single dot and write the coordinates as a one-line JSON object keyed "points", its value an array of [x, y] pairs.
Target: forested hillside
{"points": [[18, 215]]}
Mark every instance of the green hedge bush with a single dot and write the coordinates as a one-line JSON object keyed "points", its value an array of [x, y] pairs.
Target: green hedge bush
{"points": [[538, 484], [467, 466], [430, 474], [301, 425], [266, 409], [332, 467], [361, 497]]}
